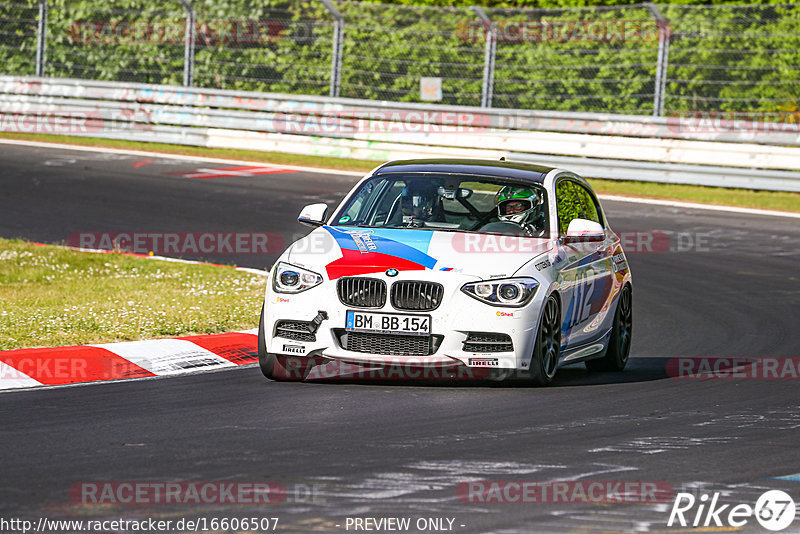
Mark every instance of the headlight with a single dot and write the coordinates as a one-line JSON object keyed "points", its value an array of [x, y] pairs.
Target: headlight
{"points": [[292, 279], [511, 292]]}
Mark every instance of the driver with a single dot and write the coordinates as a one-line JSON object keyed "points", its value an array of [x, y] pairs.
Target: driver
{"points": [[522, 206], [419, 203]]}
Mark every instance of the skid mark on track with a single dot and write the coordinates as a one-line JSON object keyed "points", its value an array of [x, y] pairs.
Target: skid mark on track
{"points": [[479, 468], [433, 483], [576, 424], [60, 162], [660, 444], [784, 419]]}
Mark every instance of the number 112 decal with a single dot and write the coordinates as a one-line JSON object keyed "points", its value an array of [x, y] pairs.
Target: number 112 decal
{"points": [[581, 306]]}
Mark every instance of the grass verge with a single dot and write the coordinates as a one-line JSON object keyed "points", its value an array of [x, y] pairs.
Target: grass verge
{"points": [[745, 198], [51, 296], [770, 200]]}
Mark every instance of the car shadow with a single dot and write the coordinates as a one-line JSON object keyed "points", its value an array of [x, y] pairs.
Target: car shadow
{"points": [[637, 370]]}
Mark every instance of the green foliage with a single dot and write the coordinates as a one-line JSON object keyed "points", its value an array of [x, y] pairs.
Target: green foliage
{"points": [[729, 60], [585, 60], [721, 59], [18, 38], [387, 50], [569, 207], [548, 4]]}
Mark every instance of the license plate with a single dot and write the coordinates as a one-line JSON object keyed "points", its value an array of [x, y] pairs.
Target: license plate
{"points": [[388, 323]]}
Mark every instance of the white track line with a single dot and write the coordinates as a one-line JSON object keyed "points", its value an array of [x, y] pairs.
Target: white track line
{"points": [[260, 272], [616, 198], [697, 206], [43, 387], [181, 157]]}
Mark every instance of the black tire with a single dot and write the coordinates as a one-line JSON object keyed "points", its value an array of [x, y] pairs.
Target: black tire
{"points": [[619, 345], [271, 365], [544, 362]]}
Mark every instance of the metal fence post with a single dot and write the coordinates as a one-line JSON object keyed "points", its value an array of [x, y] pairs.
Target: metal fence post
{"points": [[662, 61], [336, 53], [41, 38], [188, 54], [664, 36], [488, 57]]}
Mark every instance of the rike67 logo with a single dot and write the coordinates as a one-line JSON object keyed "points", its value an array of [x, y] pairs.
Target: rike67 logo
{"points": [[774, 510]]}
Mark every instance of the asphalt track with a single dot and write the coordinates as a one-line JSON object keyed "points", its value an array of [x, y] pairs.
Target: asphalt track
{"points": [[395, 450]]}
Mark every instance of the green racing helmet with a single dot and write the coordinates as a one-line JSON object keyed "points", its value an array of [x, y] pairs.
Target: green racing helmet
{"points": [[521, 205]]}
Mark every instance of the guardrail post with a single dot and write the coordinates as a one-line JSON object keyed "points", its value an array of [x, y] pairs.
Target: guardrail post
{"points": [[188, 53], [488, 56], [41, 38], [336, 53], [662, 61]]}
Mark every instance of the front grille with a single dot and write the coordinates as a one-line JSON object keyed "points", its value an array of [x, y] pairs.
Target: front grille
{"points": [[296, 330], [416, 296], [388, 344], [362, 292], [488, 342]]}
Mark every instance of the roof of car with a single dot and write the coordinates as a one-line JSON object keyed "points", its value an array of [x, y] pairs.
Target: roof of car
{"points": [[476, 167]]}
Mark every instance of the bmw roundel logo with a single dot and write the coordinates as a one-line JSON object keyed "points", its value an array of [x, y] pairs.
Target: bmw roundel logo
{"points": [[391, 272]]}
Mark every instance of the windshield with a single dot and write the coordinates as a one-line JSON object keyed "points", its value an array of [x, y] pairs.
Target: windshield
{"points": [[447, 202]]}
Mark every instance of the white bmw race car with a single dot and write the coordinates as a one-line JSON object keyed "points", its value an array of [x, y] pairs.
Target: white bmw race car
{"points": [[455, 267]]}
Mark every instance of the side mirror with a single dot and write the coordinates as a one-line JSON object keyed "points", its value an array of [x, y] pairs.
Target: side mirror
{"points": [[584, 231], [313, 214]]}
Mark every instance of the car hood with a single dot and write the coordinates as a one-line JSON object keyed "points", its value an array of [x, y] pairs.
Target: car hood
{"points": [[347, 251]]}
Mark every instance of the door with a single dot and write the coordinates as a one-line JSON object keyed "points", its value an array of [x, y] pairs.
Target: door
{"points": [[585, 276]]}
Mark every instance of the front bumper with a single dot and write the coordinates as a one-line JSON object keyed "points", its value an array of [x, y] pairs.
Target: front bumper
{"points": [[458, 317]]}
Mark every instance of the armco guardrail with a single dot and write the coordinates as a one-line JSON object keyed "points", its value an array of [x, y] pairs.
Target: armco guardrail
{"points": [[702, 151]]}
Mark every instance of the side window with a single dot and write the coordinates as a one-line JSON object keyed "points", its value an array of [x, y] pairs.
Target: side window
{"points": [[388, 206], [590, 209], [568, 204], [361, 209], [351, 216]]}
